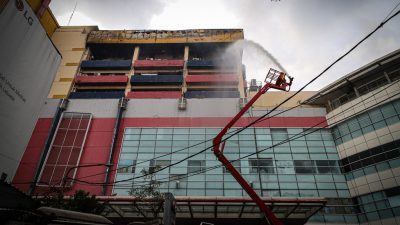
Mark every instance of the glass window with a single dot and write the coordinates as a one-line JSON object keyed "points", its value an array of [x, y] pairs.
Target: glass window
{"points": [[196, 166], [261, 166], [279, 134], [132, 131], [126, 166], [327, 166], [285, 167], [307, 193], [66, 148], [149, 131], [197, 131], [312, 134], [394, 201], [304, 166]]}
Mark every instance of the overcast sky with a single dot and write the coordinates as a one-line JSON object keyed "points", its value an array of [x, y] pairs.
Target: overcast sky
{"points": [[305, 36]]}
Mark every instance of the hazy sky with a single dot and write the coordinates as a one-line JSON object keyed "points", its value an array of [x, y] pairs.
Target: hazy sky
{"points": [[305, 36]]}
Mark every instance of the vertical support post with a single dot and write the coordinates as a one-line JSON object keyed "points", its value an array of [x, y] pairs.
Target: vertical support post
{"points": [[387, 77], [42, 9], [62, 106], [132, 71], [169, 216], [121, 107], [185, 71]]}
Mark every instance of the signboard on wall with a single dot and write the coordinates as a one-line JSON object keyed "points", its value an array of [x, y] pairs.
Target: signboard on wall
{"points": [[28, 64]]}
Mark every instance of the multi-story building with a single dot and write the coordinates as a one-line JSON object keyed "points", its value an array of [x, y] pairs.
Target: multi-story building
{"points": [[134, 100], [363, 111]]}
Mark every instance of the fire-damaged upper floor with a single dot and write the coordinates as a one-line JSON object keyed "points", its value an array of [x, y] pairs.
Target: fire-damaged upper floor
{"points": [[160, 64]]}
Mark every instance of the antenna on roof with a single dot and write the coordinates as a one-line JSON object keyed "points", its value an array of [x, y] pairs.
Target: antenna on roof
{"points": [[73, 11]]}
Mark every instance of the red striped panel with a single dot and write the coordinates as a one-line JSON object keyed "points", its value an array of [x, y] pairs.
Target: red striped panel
{"points": [[222, 121], [101, 80], [99, 138], [96, 150], [154, 94], [147, 64], [225, 79]]}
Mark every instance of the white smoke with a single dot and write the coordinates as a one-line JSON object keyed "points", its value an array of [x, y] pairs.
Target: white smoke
{"points": [[256, 59]]}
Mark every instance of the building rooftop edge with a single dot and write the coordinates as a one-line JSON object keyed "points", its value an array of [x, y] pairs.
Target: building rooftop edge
{"points": [[355, 74]]}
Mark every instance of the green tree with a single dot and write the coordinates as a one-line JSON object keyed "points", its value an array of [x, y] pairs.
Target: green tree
{"points": [[81, 201], [149, 194]]}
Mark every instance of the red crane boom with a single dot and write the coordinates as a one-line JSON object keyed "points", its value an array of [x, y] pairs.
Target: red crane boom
{"points": [[279, 83]]}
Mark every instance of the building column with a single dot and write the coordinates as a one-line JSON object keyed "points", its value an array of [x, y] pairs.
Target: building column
{"points": [[185, 71], [132, 71], [387, 77]]}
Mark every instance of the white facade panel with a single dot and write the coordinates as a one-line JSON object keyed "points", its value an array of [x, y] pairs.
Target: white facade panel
{"points": [[28, 64]]}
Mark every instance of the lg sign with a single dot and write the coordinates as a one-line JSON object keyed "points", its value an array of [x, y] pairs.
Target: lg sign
{"points": [[19, 4]]}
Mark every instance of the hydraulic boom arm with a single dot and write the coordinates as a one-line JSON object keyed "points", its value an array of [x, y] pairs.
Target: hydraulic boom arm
{"points": [[280, 84]]}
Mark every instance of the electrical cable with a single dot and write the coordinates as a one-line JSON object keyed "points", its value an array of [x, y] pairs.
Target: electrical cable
{"points": [[315, 78], [311, 129], [302, 134], [286, 100], [261, 118]]}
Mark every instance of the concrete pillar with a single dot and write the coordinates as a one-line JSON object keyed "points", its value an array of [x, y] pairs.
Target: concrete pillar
{"points": [[185, 71], [356, 92], [387, 77], [132, 71]]}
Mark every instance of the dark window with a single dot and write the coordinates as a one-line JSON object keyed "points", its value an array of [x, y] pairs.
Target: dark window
{"points": [[196, 166], [261, 166], [304, 166], [327, 166], [279, 134], [375, 155], [126, 166]]}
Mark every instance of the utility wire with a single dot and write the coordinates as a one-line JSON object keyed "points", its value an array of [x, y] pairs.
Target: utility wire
{"points": [[217, 166], [301, 134], [297, 92], [392, 11], [315, 78], [286, 100]]}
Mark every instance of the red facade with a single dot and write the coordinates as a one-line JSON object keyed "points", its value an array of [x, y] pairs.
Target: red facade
{"points": [[98, 143], [158, 64]]}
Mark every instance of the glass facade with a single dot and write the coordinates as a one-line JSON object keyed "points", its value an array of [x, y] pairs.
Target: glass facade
{"points": [[366, 122], [379, 205], [307, 166], [304, 167], [383, 204], [372, 160]]}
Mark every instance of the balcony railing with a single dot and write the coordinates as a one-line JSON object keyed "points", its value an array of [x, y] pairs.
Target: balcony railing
{"points": [[143, 80], [201, 64], [154, 94], [212, 94], [101, 80], [211, 64], [97, 94], [106, 65], [158, 64]]}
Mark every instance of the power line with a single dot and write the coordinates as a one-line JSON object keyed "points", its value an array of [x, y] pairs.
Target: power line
{"points": [[392, 11], [302, 134], [286, 100], [315, 78]]}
